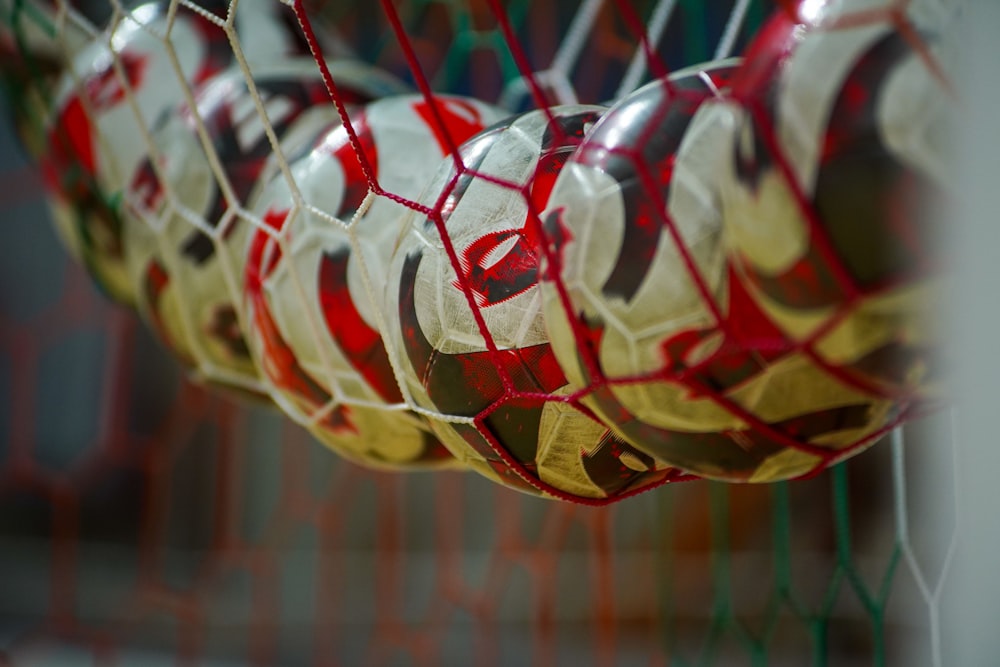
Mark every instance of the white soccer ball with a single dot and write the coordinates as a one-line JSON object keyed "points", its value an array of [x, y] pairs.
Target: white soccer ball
{"points": [[829, 179], [186, 208], [108, 99], [749, 304], [636, 273], [828, 190], [466, 324], [317, 265]]}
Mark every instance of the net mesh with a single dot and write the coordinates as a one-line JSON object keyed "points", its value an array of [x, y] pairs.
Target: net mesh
{"points": [[146, 519]]}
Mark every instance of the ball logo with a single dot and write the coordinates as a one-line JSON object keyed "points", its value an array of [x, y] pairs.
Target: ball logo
{"points": [[501, 265]]}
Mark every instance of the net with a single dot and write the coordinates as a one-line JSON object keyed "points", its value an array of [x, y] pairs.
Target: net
{"points": [[154, 521]]}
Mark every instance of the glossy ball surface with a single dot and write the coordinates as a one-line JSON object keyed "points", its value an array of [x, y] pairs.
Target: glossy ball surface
{"points": [[779, 325], [466, 324], [112, 93], [313, 315], [187, 227]]}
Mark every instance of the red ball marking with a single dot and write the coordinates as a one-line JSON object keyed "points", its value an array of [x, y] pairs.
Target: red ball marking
{"points": [[494, 279], [750, 343], [71, 149], [360, 343], [106, 90], [279, 361], [451, 120], [338, 144]]}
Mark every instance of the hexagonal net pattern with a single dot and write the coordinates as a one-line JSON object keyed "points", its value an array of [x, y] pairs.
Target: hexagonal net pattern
{"points": [[148, 517]]}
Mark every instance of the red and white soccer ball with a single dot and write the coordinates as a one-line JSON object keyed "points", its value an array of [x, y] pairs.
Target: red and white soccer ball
{"points": [[317, 265], [107, 100], [466, 326], [829, 180], [636, 277], [186, 230], [689, 288], [828, 185]]}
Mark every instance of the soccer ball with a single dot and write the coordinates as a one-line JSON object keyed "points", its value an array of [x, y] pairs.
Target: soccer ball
{"points": [[828, 181], [112, 91], [638, 292], [312, 316], [466, 326], [697, 360], [186, 207]]}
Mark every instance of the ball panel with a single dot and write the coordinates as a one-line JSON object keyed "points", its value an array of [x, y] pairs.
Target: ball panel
{"points": [[677, 351], [112, 92], [634, 239], [858, 286], [604, 466], [469, 333], [201, 243], [365, 434], [324, 266]]}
